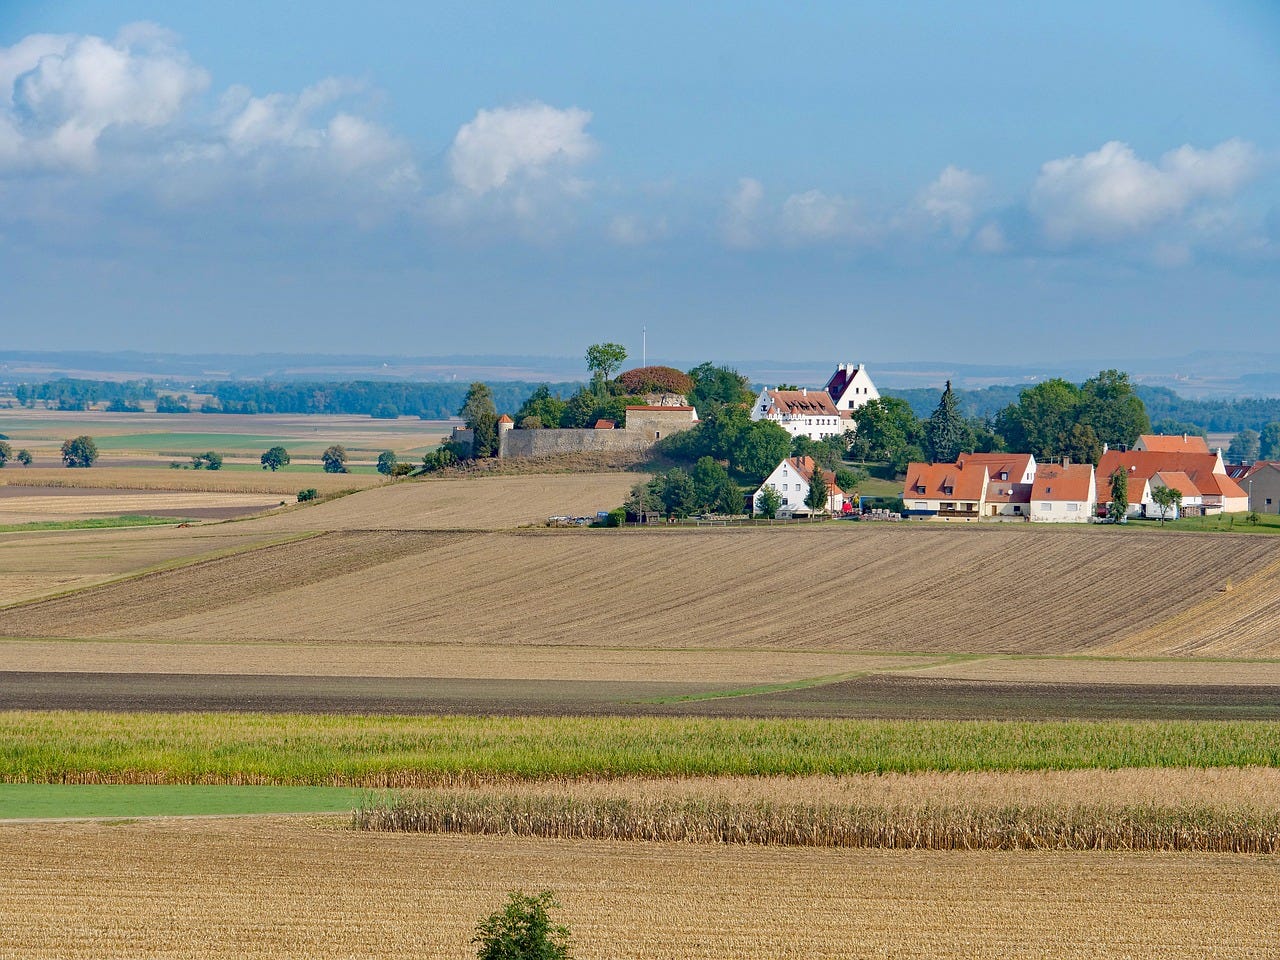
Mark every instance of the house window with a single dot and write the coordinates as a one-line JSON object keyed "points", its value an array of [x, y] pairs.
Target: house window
{"points": [[784, 486], [1017, 508], [1268, 501], [785, 501], [1048, 507], [1073, 507], [921, 505]]}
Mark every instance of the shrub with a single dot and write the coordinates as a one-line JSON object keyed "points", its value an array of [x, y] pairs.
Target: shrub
{"points": [[616, 517], [307, 494], [656, 380], [523, 930]]}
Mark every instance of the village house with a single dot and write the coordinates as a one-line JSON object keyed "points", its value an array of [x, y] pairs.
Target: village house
{"points": [[791, 479], [945, 491], [1066, 493], [1010, 478], [1261, 483], [1215, 491], [802, 413], [818, 414], [850, 387]]}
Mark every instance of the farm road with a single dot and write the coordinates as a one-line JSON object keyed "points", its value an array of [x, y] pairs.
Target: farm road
{"points": [[876, 696]]}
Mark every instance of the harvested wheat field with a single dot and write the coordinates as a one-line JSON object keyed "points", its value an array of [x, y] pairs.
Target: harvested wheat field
{"points": [[1105, 671], [37, 563], [484, 503], [102, 478], [295, 889], [460, 661], [114, 503], [907, 590]]}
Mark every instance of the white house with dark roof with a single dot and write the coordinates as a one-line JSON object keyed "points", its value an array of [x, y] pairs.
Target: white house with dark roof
{"points": [[850, 387]]}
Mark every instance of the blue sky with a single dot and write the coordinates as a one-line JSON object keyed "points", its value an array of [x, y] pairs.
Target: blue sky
{"points": [[991, 181]]}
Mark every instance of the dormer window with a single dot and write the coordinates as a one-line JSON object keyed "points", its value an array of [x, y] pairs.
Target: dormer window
{"points": [[948, 490], [1004, 475]]}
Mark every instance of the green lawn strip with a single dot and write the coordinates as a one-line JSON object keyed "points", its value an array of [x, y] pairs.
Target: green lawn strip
{"points": [[91, 523], [806, 682], [376, 751], [29, 801], [166, 565], [1268, 523]]}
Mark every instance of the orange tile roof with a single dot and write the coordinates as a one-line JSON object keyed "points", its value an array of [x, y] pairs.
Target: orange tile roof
{"points": [[1179, 443], [1014, 464], [805, 465], [1200, 467], [1063, 483], [1177, 480], [505, 419], [603, 424], [802, 403], [937, 478]]}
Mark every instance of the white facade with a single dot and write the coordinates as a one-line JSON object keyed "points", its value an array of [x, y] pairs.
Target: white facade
{"points": [[850, 387], [802, 413], [793, 488]]}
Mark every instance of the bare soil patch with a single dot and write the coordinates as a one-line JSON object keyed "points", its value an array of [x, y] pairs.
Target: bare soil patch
{"points": [[870, 697], [294, 889], [126, 479]]}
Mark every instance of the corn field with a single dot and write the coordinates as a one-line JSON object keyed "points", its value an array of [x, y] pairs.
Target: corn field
{"points": [[719, 821]]}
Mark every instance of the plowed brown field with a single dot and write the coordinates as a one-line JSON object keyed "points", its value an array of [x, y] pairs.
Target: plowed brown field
{"points": [[290, 889], [837, 587]]}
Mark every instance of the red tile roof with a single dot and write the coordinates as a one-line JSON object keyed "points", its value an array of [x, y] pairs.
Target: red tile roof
{"points": [[932, 481], [1069, 483], [603, 424], [805, 466], [1178, 443], [1015, 465], [802, 403], [1177, 480], [1144, 464], [505, 419]]}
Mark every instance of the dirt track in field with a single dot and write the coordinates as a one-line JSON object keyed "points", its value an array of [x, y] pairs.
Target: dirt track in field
{"points": [[884, 696], [835, 587], [298, 889]]}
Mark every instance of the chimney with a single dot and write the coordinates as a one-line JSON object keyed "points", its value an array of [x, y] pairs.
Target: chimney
{"points": [[1106, 447], [1066, 461], [804, 391]]}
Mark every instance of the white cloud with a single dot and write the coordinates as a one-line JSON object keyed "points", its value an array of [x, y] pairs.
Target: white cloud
{"points": [[62, 93], [508, 143], [814, 216], [1112, 193], [739, 226], [633, 231], [990, 239], [951, 201]]}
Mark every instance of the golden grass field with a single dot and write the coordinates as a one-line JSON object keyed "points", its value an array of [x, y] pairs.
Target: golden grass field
{"points": [[162, 479], [104, 503], [891, 589], [37, 563], [483, 502], [261, 888]]}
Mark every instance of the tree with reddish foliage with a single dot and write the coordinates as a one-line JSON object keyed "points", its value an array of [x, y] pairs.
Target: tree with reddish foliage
{"points": [[656, 380]]}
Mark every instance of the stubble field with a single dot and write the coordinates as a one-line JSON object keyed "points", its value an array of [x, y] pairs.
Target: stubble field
{"points": [[290, 889], [834, 587]]}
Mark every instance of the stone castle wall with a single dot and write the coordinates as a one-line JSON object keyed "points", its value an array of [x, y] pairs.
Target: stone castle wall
{"points": [[546, 443]]}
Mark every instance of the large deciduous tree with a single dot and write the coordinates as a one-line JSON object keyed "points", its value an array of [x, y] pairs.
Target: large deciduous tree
{"points": [[274, 459], [334, 459], [604, 360], [759, 447], [768, 500], [1245, 446], [80, 451]]}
